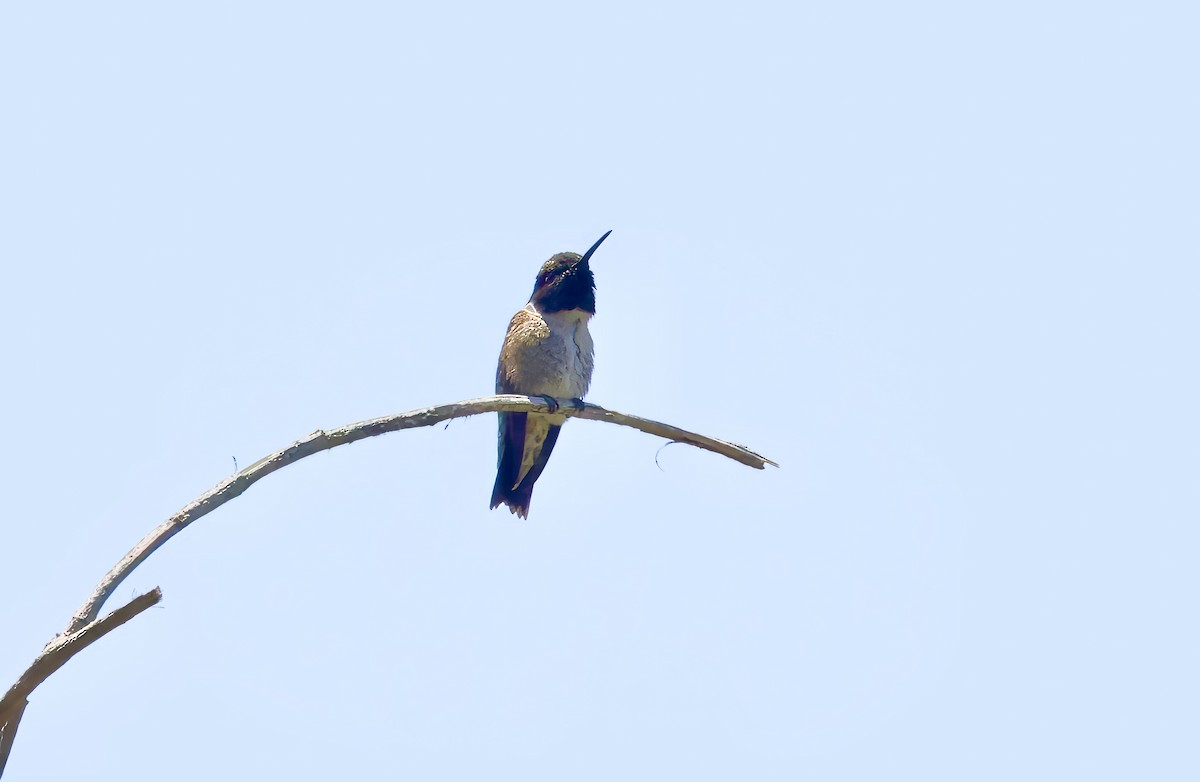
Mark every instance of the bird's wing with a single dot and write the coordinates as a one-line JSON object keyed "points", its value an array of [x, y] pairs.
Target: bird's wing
{"points": [[526, 330]]}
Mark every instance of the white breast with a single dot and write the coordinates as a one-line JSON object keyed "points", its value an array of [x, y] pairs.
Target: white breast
{"points": [[572, 345]]}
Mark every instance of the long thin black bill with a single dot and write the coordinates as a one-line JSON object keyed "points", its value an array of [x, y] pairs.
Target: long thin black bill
{"points": [[592, 249]]}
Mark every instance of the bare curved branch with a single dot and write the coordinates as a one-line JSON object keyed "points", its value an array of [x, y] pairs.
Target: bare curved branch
{"points": [[323, 440], [85, 627]]}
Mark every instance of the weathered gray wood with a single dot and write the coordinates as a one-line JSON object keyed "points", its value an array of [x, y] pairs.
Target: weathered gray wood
{"points": [[323, 440], [85, 627], [54, 656]]}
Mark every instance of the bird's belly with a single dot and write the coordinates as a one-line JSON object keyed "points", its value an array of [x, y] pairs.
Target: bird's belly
{"points": [[566, 383]]}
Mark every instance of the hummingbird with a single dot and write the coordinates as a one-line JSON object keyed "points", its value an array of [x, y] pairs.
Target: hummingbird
{"points": [[547, 352]]}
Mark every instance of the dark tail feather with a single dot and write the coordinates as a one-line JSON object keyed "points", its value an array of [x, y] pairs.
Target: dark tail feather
{"points": [[508, 463], [510, 442]]}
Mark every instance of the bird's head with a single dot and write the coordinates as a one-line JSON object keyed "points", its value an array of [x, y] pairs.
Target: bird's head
{"points": [[565, 282]]}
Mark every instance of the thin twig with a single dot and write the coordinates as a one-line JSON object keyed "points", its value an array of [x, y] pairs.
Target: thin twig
{"points": [[54, 656]]}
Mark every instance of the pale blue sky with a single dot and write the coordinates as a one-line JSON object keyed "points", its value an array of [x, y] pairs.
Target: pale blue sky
{"points": [[938, 260]]}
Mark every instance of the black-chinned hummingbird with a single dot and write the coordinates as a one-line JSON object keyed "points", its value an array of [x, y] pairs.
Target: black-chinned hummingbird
{"points": [[547, 352]]}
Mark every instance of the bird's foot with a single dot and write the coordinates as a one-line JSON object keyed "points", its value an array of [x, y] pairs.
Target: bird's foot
{"points": [[550, 401], [577, 403]]}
